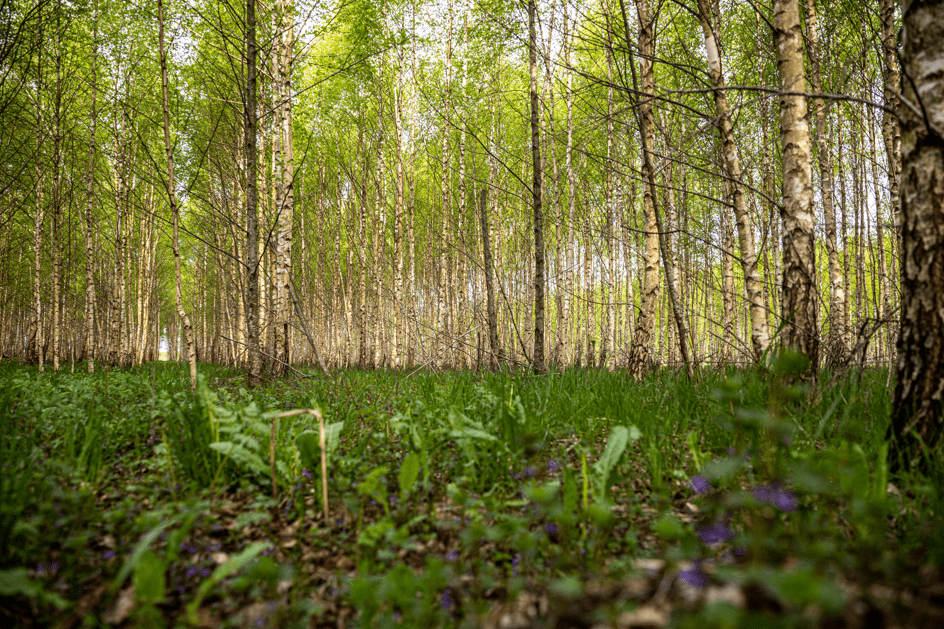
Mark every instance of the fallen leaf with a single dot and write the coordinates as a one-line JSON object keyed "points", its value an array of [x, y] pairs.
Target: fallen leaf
{"points": [[122, 608]]}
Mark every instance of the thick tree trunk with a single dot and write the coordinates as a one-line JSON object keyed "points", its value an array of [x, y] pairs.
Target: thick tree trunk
{"points": [[800, 302], [917, 402], [175, 212]]}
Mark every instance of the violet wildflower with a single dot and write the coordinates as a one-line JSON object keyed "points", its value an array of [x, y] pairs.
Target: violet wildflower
{"points": [[762, 493], [530, 471], [452, 555], [192, 571], [553, 466], [700, 484], [783, 500], [306, 474], [715, 533], [551, 529], [109, 554], [693, 577], [205, 573], [445, 600]]}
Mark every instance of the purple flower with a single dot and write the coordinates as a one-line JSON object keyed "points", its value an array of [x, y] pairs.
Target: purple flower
{"points": [[783, 500], [452, 555], [445, 600], [553, 466], [109, 554], [693, 577], [306, 474], [700, 484], [762, 493], [191, 571], [715, 533], [530, 471], [205, 573], [551, 529]]}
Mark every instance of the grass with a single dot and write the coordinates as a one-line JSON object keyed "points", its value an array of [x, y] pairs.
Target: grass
{"points": [[461, 499]]}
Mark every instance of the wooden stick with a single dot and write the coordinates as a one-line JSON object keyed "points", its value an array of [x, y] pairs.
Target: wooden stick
{"points": [[324, 465], [324, 454]]}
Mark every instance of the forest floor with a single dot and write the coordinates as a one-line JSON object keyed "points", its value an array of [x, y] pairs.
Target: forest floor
{"points": [[573, 499]]}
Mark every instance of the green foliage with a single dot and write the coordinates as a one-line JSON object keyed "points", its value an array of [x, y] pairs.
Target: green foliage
{"points": [[479, 482]]}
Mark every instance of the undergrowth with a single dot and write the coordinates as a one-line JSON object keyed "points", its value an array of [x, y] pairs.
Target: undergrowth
{"points": [[126, 498]]}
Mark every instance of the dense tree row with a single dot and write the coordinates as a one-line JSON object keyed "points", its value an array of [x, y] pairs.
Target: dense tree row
{"points": [[372, 190]]}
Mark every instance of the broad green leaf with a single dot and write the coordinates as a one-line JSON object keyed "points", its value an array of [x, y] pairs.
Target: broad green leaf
{"points": [[409, 471], [149, 586], [720, 469]]}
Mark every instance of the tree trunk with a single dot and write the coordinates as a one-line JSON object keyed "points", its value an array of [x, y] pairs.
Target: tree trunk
{"points": [[800, 302], [760, 331], [536, 193], [252, 201], [54, 236], [917, 401], [174, 210], [495, 356], [891, 132], [286, 211], [836, 348]]}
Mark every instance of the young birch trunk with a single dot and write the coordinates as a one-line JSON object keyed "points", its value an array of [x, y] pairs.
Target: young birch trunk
{"points": [[286, 185], [56, 208], [174, 210], [836, 348], [640, 357], [571, 204], [252, 201], [729, 339], [917, 401], [800, 302], [760, 331], [37, 342], [891, 132], [606, 293], [536, 193], [399, 318], [443, 322]]}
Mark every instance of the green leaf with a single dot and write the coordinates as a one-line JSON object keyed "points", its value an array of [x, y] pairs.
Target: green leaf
{"points": [[620, 437], [720, 469], [309, 450], [16, 582], [669, 528], [567, 587], [243, 458], [148, 579], [409, 472]]}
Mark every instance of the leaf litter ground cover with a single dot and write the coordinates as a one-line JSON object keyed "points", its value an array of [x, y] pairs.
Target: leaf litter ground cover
{"points": [[574, 499]]}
